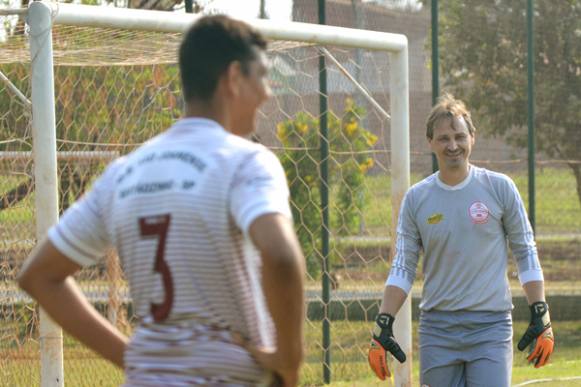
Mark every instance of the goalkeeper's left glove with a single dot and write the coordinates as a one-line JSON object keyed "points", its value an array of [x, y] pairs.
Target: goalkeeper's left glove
{"points": [[539, 335], [382, 342]]}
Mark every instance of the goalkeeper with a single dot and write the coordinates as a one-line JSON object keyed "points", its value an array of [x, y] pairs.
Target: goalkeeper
{"points": [[464, 218]]}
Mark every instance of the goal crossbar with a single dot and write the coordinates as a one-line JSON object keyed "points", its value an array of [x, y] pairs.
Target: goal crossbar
{"points": [[161, 21]]}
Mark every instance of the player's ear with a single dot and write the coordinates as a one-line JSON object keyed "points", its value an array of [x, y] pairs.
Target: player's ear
{"points": [[233, 78], [430, 141]]}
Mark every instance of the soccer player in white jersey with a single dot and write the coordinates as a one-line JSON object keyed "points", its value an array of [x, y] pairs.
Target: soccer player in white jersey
{"points": [[200, 218], [462, 218]]}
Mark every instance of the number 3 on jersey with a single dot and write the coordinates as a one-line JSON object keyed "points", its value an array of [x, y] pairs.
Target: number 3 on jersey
{"points": [[158, 225]]}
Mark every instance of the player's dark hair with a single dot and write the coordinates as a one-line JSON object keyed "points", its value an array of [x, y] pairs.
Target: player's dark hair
{"points": [[447, 108], [209, 47]]}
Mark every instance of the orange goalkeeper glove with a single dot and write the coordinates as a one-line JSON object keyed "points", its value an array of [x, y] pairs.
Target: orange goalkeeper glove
{"points": [[539, 335], [382, 342]]}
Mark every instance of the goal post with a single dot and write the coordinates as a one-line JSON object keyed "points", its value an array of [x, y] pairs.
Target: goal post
{"points": [[45, 172], [42, 15]]}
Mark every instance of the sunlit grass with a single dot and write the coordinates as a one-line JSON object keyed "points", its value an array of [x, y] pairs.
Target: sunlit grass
{"points": [[349, 341]]}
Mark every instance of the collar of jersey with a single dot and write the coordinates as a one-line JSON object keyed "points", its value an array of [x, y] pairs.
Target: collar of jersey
{"points": [[197, 122], [458, 186]]}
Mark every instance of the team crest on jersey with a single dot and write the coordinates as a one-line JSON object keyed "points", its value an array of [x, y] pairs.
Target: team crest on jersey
{"points": [[479, 213], [435, 218]]}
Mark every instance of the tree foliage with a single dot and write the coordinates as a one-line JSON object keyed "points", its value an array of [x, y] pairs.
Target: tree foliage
{"points": [[483, 51]]}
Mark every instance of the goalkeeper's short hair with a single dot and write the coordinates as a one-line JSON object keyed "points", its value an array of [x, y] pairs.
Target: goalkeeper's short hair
{"points": [[446, 108]]}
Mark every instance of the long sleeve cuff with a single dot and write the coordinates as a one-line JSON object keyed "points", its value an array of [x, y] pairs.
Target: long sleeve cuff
{"points": [[400, 283], [530, 275]]}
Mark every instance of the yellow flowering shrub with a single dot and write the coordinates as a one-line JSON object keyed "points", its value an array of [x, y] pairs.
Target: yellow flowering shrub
{"points": [[349, 161]]}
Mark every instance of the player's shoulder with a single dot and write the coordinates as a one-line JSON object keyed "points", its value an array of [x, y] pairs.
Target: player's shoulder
{"points": [[255, 162], [249, 150], [240, 143], [493, 177], [423, 185], [114, 168], [244, 143], [420, 190]]}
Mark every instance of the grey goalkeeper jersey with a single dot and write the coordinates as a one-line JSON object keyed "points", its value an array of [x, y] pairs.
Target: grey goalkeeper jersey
{"points": [[464, 232]]}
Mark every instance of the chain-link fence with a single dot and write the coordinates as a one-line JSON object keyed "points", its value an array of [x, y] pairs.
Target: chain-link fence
{"points": [[17, 203], [115, 89]]}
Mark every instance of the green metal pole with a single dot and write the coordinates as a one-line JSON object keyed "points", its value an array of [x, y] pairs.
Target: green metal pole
{"points": [[531, 109], [262, 13], [324, 206], [435, 67], [189, 6]]}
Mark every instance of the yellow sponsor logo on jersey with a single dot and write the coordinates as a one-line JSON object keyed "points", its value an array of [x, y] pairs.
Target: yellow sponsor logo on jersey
{"points": [[435, 218]]}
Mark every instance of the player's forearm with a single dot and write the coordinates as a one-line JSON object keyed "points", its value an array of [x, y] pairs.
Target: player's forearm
{"points": [[534, 291], [59, 299], [393, 299], [283, 288]]}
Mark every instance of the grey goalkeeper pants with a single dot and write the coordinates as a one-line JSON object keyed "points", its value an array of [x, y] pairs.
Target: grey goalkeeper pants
{"points": [[465, 349]]}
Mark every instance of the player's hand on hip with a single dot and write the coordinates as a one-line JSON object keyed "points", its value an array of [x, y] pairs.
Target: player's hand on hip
{"points": [[382, 341], [539, 335], [285, 369]]}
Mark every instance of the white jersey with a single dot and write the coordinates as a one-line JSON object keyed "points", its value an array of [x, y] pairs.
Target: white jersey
{"points": [[463, 231], [178, 211]]}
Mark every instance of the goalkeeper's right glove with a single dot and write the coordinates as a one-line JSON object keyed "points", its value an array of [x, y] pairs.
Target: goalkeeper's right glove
{"points": [[381, 342], [539, 335]]}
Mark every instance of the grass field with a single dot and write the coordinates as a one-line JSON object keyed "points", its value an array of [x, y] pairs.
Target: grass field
{"points": [[19, 367]]}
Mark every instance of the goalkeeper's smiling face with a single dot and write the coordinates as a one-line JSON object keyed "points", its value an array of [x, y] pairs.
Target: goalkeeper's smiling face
{"points": [[254, 90], [452, 143]]}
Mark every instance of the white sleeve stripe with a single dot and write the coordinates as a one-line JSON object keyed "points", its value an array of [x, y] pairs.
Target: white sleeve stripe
{"points": [[520, 208], [401, 272], [64, 246], [532, 259], [530, 262], [400, 237], [401, 250], [530, 275], [522, 217], [400, 283]]}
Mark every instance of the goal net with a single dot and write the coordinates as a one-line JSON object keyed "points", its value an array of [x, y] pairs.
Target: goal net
{"points": [[116, 84]]}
